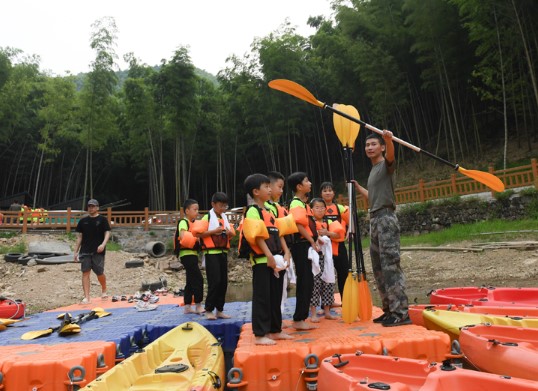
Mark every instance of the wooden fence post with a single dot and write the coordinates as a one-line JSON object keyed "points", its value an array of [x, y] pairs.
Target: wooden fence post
{"points": [[534, 165], [146, 219], [454, 186], [491, 170], [68, 222], [421, 190]]}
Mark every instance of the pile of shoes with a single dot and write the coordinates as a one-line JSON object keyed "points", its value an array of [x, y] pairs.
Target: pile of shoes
{"points": [[145, 301]]}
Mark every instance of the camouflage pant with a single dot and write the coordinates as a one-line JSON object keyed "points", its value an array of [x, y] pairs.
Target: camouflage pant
{"points": [[385, 255]]}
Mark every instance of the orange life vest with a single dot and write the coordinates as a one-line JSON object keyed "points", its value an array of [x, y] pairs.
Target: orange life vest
{"points": [[273, 243], [217, 242]]}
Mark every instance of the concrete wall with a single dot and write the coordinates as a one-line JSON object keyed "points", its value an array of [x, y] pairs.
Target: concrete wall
{"points": [[135, 239]]}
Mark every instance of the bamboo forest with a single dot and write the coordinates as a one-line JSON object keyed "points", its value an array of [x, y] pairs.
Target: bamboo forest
{"points": [[454, 77]]}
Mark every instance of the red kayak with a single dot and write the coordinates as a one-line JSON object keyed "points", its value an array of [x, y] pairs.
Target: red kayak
{"points": [[349, 372], [505, 350], [12, 309], [488, 296]]}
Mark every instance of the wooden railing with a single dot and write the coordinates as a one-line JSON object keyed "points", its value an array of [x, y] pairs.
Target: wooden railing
{"points": [[457, 185], [68, 219]]}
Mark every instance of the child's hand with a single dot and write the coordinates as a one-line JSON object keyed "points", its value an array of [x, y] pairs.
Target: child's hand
{"points": [[315, 246], [271, 262], [229, 233], [323, 232], [287, 257]]}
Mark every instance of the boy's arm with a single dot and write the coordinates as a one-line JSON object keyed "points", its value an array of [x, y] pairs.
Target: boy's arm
{"points": [[287, 253], [303, 231], [260, 242]]}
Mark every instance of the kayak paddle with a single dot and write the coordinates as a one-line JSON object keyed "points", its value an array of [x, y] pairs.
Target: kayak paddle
{"points": [[361, 302], [347, 133], [297, 90]]}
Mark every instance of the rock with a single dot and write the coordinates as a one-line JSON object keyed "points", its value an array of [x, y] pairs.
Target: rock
{"points": [[31, 262], [42, 269]]}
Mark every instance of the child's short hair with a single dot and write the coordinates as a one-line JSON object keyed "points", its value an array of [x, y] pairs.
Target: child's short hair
{"points": [[275, 176], [253, 182], [219, 196], [317, 200], [326, 185], [188, 203], [376, 136], [296, 179]]}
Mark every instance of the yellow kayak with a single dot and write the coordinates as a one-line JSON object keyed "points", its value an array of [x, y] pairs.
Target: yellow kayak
{"points": [[452, 321], [186, 358]]}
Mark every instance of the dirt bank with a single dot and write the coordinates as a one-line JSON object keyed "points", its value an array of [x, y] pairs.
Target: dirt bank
{"points": [[52, 286]]}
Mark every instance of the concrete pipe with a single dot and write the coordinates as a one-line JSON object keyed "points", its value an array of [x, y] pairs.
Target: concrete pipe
{"points": [[156, 249]]}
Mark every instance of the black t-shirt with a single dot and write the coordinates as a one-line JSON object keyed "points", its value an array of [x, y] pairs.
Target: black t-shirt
{"points": [[93, 232]]}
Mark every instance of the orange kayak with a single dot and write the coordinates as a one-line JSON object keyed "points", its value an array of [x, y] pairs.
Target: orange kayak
{"points": [[489, 296], [415, 311], [349, 372], [505, 350]]}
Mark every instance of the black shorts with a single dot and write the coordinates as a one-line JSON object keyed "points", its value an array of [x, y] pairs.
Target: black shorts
{"points": [[95, 262]]}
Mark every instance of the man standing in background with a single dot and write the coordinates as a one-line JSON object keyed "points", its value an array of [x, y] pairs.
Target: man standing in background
{"points": [[93, 235]]}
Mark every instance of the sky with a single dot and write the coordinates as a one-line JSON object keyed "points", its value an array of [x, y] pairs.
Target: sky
{"points": [[59, 31]]}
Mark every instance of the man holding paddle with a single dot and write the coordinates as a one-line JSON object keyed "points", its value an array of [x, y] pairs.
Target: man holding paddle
{"points": [[385, 230]]}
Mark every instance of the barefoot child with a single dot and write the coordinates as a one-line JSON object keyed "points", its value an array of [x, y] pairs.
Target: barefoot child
{"points": [[216, 244], [323, 281], [301, 186], [259, 229], [188, 254]]}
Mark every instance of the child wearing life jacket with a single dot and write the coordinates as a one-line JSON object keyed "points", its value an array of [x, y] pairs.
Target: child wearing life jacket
{"points": [[340, 213], [216, 244], [267, 247], [323, 291], [277, 188], [301, 186], [189, 246]]}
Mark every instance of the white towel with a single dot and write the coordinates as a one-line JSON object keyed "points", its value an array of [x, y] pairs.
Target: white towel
{"points": [[214, 220], [290, 273], [328, 267], [280, 263], [314, 257]]}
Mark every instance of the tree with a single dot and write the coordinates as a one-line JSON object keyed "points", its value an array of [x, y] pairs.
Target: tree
{"points": [[97, 102]]}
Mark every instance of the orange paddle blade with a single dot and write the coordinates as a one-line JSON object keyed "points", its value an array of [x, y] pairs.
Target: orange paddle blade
{"points": [[365, 300], [295, 89], [349, 300], [346, 130], [486, 178]]}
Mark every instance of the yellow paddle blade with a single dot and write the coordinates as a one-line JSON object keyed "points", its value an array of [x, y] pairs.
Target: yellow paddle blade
{"points": [[365, 300], [346, 130], [349, 300], [62, 315], [486, 178], [36, 334], [295, 89], [70, 328], [100, 312], [7, 322]]}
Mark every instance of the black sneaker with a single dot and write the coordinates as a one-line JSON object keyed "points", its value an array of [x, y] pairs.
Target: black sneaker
{"points": [[381, 319], [395, 320]]}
